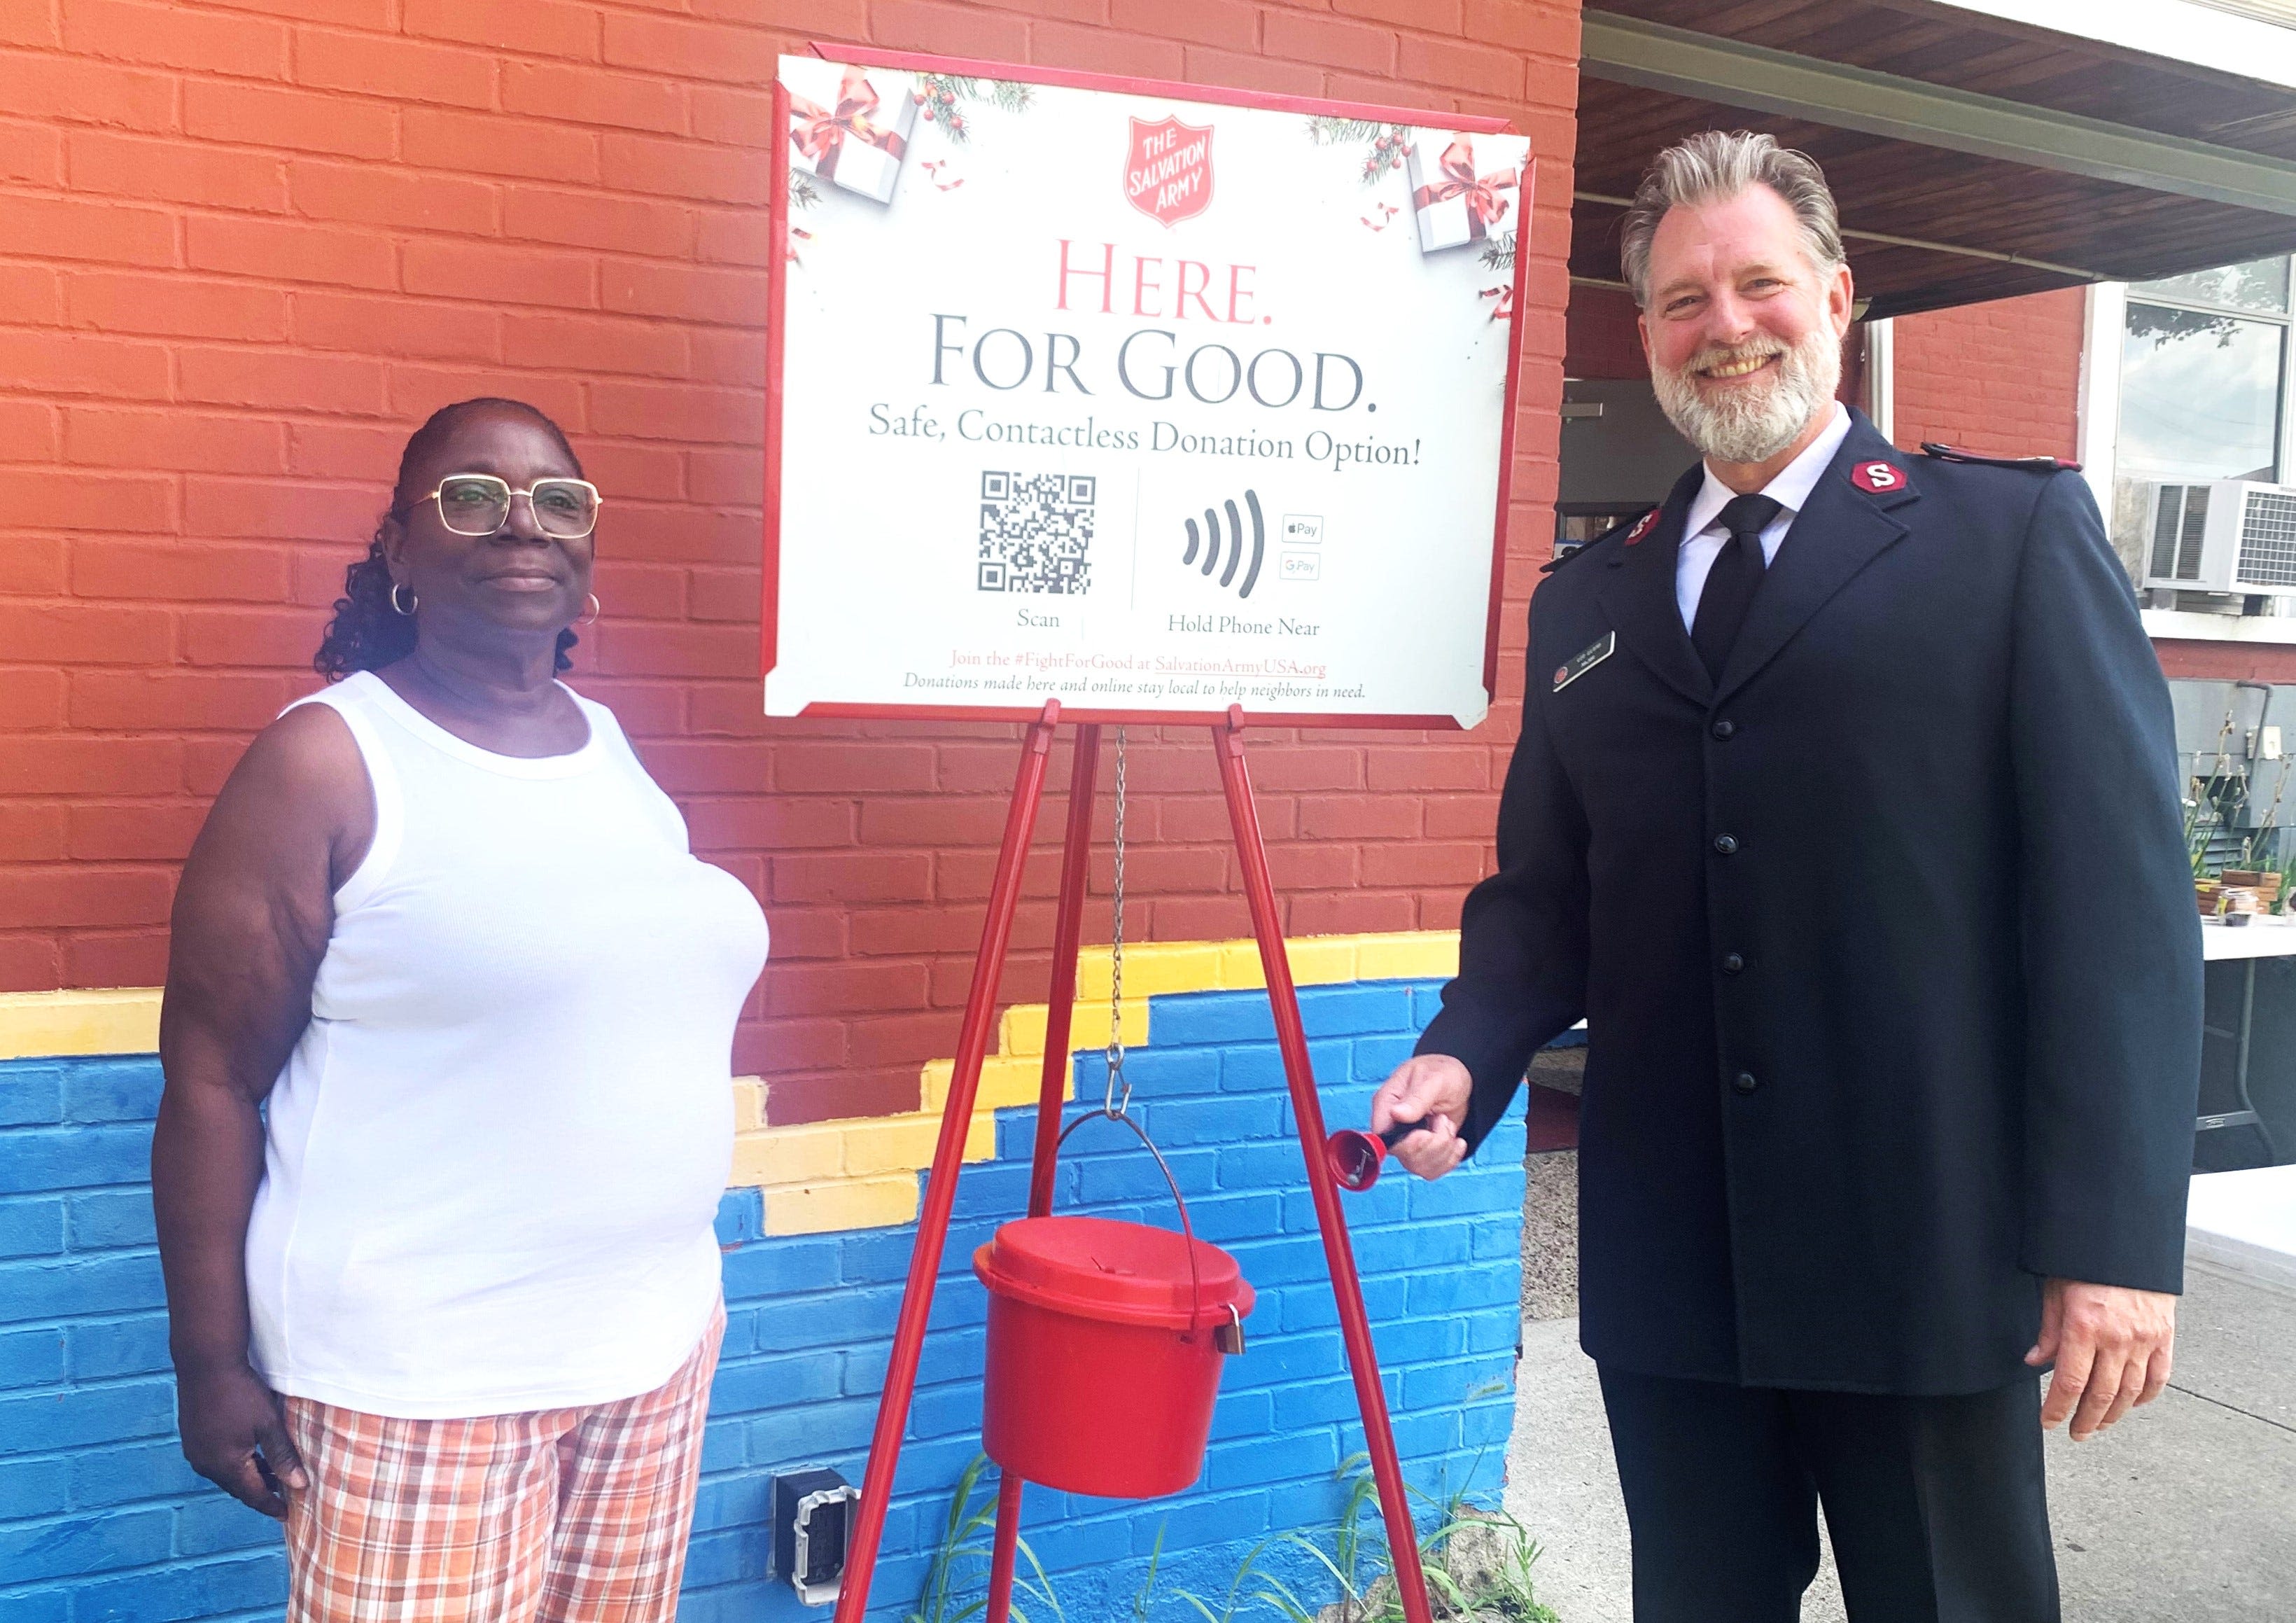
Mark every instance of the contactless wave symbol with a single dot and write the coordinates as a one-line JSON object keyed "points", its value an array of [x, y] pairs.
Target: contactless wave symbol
{"points": [[1207, 542]]}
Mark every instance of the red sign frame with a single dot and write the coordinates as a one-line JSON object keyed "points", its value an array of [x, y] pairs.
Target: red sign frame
{"points": [[776, 289]]}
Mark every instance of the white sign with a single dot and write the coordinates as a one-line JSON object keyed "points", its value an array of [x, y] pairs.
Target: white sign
{"points": [[1151, 405]]}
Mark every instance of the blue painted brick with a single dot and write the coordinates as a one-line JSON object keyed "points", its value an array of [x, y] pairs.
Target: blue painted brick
{"points": [[113, 1282], [723, 1445], [877, 1257], [1420, 1246], [1214, 1518], [1413, 1341], [862, 1372], [1313, 1307], [1288, 1260], [945, 1411], [1243, 1414], [34, 1488], [36, 1606], [1498, 1240], [1216, 1121], [1322, 1403], [1376, 1056], [112, 1091], [30, 1096], [749, 1385], [757, 1600], [959, 1356], [40, 1158], [1229, 1218], [1256, 1166], [152, 1469], [740, 1217], [1264, 1460], [780, 1268], [200, 1590], [738, 1500], [32, 1357], [216, 1523], [76, 1545], [1065, 1545], [1311, 1507], [106, 1348], [1458, 1381], [1253, 1069], [784, 1437], [1001, 1192], [1348, 1008], [1489, 1333], [931, 1466], [1168, 1071], [1473, 1190], [31, 1225], [1459, 1289], [1489, 1424], [733, 1554], [1188, 1019], [1280, 1360], [838, 1319], [41, 1423], [1135, 1177], [110, 1219]]}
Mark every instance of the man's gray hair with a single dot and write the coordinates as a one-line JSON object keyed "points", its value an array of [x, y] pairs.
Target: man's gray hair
{"points": [[1714, 167]]}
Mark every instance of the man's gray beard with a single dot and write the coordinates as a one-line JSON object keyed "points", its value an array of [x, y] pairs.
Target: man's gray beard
{"points": [[1748, 425]]}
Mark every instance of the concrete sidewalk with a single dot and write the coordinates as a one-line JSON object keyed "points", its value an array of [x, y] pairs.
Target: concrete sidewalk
{"points": [[2184, 1512]]}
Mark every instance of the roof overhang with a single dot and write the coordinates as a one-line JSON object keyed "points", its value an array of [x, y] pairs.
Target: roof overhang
{"points": [[1975, 151]]}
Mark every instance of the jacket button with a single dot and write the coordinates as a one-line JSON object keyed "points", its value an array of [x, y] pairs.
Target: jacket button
{"points": [[1725, 845], [1732, 963], [1745, 1082], [1724, 727]]}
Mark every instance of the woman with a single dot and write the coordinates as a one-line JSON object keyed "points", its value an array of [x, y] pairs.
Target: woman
{"points": [[448, 1111]]}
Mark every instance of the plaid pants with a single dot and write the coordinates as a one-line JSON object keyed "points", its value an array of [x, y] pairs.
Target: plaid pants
{"points": [[555, 1516]]}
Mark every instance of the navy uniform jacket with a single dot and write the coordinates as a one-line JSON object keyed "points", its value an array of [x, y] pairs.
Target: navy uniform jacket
{"points": [[1885, 944]]}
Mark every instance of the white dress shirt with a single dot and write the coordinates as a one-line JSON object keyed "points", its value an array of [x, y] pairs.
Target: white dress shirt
{"points": [[1702, 527]]}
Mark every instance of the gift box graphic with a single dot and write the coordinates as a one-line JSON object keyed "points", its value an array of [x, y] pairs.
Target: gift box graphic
{"points": [[1457, 203], [842, 131]]}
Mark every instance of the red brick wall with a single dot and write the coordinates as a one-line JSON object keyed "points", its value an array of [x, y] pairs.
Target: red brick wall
{"points": [[2002, 377], [249, 245]]}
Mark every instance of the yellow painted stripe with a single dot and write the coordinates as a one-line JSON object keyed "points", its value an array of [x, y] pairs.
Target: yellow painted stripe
{"points": [[56, 1025]]}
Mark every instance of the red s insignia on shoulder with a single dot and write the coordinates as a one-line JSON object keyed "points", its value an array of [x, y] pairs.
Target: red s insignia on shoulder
{"points": [[1643, 526], [1879, 477]]}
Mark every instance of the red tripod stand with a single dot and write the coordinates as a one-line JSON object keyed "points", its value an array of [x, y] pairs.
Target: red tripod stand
{"points": [[957, 1116]]}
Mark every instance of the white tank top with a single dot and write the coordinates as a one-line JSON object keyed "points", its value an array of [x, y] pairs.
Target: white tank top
{"points": [[494, 1160]]}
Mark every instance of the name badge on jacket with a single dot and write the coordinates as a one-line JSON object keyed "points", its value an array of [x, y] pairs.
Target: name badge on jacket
{"points": [[1593, 654]]}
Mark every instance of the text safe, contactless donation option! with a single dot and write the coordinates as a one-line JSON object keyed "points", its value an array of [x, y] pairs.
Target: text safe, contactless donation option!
{"points": [[1148, 405]]}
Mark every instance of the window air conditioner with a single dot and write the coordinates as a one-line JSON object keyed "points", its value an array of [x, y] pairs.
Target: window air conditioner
{"points": [[2227, 535]]}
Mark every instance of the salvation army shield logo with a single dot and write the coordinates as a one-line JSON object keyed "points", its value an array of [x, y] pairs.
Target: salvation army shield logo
{"points": [[1169, 174]]}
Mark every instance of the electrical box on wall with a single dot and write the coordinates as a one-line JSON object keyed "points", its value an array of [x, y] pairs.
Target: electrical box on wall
{"points": [[811, 1514], [2226, 535]]}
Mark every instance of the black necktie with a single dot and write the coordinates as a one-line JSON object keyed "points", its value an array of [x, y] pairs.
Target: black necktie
{"points": [[1731, 583]]}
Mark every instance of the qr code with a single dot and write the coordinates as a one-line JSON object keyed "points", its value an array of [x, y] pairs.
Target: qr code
{"points": [[1036, 533]]}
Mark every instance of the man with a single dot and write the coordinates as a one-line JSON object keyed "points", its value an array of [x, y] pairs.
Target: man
{"points": [[1842, 813]]}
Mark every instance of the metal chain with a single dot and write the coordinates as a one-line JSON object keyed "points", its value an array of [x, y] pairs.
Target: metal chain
{"points": [[1112, 1104]]}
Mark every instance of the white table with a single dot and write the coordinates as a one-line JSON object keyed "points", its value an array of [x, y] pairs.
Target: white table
{"points": [[2263, 935]]}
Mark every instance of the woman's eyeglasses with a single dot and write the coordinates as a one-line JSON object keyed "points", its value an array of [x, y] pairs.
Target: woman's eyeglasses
{"points": [[478, 503]]}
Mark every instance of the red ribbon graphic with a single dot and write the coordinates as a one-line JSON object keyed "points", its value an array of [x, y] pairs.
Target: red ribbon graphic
{"points": [[1484, 206], [820, 133]]}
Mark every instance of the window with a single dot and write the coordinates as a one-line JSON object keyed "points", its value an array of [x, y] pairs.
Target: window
{"points": [[2204, 395]]}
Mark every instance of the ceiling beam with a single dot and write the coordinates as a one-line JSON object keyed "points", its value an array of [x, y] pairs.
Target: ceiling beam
{"points": [[1923, 243], [1654, 56]]}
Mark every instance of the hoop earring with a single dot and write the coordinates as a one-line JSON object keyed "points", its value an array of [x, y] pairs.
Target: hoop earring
{"points": [[596, 610], [412, 601]]}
